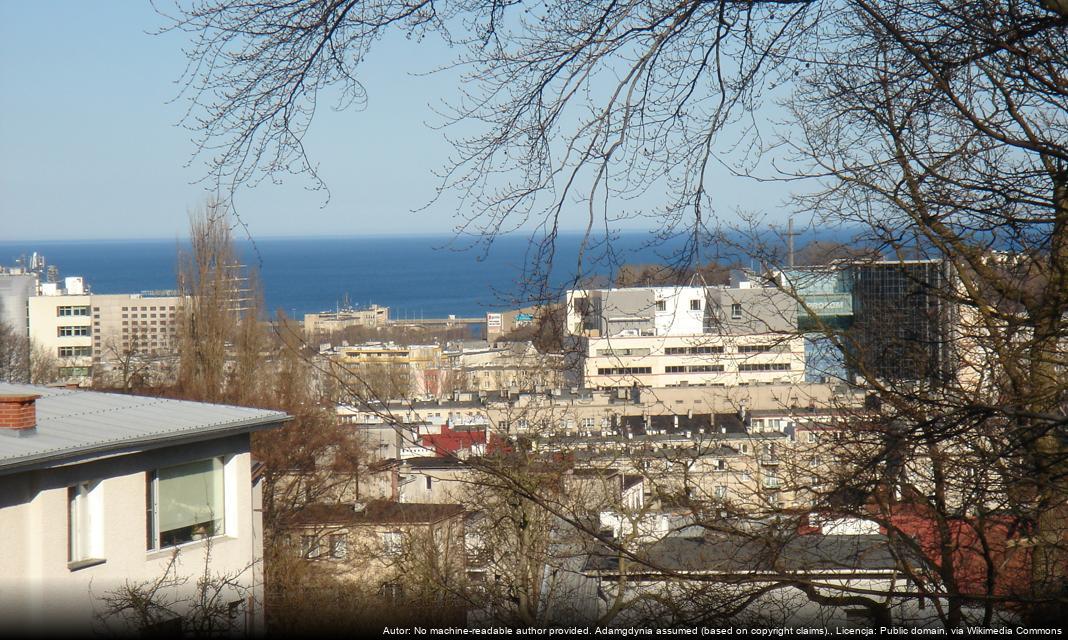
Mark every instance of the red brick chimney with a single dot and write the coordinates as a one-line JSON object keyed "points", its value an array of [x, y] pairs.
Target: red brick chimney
{"points": [[18, 412]]}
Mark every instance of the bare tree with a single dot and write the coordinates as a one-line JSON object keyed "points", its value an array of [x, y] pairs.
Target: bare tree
{"points": [[937, 126], [15, 355], [209, 281]]}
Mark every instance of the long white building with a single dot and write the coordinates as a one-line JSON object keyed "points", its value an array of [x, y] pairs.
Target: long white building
{"points": [[87, 333], [687, 336]]}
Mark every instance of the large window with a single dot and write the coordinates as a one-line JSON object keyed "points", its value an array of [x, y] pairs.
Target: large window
{"points": [[71, 311], [185, 503], [66, 331], [74, 352]]}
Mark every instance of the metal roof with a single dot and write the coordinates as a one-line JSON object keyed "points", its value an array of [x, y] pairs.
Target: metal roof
{"points": [[72, 424]]}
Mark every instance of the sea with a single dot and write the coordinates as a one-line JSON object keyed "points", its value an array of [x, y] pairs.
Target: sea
{"points": [[416, 276]]}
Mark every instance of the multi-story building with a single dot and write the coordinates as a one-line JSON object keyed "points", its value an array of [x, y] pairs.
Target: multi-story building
{"points": [[100, 493], [894, 317], [482, 367], [61, 326], [16, 288], [135, 335], [687, 336], [90, 333], [902, 320], [382, 370], [327, 322]]}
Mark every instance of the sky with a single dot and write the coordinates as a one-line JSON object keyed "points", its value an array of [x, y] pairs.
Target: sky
{"points": [[92, 147]]}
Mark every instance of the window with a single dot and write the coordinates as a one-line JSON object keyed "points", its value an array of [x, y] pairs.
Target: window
{"points": [[661, 305], [75, 352], [705, 368], [83, 523], [392, 542], [695, 305], [673, 351], [674, 369], [64, 332], [339, 546], [309, 546], [65, 311], [613, 371], [755, 348], [766, 366], [185, 503], [588, 423], [736, 311], [721, 491], [429, 483], [73, 372]]}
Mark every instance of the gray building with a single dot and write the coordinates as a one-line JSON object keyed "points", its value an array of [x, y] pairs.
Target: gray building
{"points": [[15, 292]]}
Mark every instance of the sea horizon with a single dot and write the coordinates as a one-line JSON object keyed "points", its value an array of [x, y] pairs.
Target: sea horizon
{"points": [[431, 275]]}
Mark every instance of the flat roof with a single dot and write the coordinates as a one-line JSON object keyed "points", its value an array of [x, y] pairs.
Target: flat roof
{"points": [[73, 424], [376, 512]]}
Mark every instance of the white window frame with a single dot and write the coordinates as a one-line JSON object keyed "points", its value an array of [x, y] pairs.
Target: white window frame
{"points": [[84, 520], [392, 542], [153, 533], [339, 546]]}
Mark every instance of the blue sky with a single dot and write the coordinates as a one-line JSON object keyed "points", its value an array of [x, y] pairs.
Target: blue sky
{"points": [[91, 148]]}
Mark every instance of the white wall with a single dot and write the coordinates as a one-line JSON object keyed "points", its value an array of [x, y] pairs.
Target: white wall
{"points": [[45, 323], [35, 580]]}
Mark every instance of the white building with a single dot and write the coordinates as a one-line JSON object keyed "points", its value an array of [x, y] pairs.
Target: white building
{"points": [[687, 336], [100, 491], [135, 336], [61, 326], [85, 331]]}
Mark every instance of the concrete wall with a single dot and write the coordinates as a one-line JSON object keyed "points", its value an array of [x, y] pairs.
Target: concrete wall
{"points": [[36, 582]]}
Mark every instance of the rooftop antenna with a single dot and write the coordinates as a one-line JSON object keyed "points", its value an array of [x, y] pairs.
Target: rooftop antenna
{"points": [[790, 242]]}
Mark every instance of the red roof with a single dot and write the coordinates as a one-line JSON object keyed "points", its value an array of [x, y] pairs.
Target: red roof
{"points": [[448, 441], [1005, 544]]}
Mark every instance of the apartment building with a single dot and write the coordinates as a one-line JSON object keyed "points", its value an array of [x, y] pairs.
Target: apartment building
{"points": [[99, 491], [61, 326], [90, 334], [135, 336], [382, 370], [687, 336], [480, 366]]}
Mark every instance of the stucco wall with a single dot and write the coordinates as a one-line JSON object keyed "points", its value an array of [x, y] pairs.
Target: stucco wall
{"points": [[35, 580]]}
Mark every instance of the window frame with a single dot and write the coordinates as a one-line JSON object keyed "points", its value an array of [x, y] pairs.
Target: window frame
{"points": [[154, 535], [84, 525]]}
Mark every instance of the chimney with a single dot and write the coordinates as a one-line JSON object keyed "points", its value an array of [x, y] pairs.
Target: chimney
{"points": [[18, 413]]}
